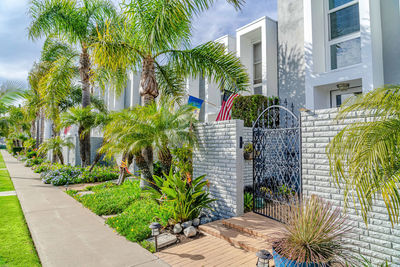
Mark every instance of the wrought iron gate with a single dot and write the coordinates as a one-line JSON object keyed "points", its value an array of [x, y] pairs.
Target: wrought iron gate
{"points": [[277, 162]]}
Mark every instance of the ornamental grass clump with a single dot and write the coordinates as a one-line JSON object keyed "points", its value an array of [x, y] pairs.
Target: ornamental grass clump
{"points": [[315, 234]]}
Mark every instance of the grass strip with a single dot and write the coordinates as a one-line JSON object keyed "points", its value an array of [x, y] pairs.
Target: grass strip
{"points": [[5, 181], [16, 246], [2, 163]]}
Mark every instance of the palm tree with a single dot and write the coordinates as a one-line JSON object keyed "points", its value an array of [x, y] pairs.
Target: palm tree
{"points": [[158, 127], [153, 38], [56, 145], [85, 118], [365, 156], [33, 100], [75, 21]]}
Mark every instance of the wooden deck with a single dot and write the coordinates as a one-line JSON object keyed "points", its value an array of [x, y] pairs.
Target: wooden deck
{"points": [[231, 242]]}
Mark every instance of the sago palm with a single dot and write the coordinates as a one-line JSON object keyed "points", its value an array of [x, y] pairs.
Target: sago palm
{"points": [[85, 118], [365, 156], [55, 145], [158, 127]]}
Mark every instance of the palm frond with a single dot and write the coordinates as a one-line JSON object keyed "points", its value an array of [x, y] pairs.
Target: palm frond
{"points": [[212, 61], [365, 156]]}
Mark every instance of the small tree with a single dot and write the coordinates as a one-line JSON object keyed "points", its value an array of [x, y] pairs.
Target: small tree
{"points": [[55, 145]]}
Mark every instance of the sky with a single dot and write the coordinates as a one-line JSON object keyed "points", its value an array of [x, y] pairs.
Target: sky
{"points": [[18, 52]]}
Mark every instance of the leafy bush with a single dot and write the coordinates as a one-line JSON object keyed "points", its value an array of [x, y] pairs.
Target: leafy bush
{"points": [[134, 222], [99, 174], [247, 108], [63, 174], [248, 201], [43, 167], [315, 234], [186, 196], [182, 159], [33, 162], [31, 154], [109, 199]]}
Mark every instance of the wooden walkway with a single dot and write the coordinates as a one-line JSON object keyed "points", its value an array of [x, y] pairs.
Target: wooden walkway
{"points": [[230, 242], [207, 251]]}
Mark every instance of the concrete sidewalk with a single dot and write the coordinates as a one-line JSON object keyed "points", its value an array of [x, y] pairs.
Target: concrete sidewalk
{"points": [[67, 234]]}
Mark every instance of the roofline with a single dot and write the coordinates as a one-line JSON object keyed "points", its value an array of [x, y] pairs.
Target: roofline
{"points": [[255, 22]]}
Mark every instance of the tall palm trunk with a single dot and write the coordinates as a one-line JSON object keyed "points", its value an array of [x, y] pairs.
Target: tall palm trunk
{"points": [[33, 128], [42, 122], [85, 79], [37, 121], [148, 92], [165, 157]]}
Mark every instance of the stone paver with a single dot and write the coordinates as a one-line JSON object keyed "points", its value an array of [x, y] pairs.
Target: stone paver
{"points": [[7, 193], [67, 234]]}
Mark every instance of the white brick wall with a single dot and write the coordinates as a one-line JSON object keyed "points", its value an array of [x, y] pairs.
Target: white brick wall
{"points": [[221, 159], [379, 241]]}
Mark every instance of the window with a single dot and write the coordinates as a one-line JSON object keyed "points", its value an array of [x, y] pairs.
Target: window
{"points": [[344, 45], [345, 53], [258, 90], [257, 64]]}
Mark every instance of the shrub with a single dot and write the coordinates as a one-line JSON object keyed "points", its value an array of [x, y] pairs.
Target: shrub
{"points": [[187, 197], [182, 159], [43, 167], [33, 162], [63, 174], [247, 108], [315, 234], [99, 174], [108, 200], [31, 154], [134, 222], [248, 201]]}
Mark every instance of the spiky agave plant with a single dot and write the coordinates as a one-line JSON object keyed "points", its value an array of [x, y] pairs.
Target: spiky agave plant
{"points": [[315, 234]]}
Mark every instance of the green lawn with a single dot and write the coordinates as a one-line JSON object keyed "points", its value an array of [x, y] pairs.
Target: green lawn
{"points": [[5, 181], [16, 246], [2, 164]]}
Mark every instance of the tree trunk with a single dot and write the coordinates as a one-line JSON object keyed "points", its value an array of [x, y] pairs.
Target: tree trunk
{"points": [[60, 157], [33, 128], [148, 83], [84, 71], [165, 157], [41, 127], [122, 171], [37, 131], [97, 157], [54, 134], [148, 92]]}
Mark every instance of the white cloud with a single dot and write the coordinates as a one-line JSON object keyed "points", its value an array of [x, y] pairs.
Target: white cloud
{"points": [[17, 52], [223, 19]]}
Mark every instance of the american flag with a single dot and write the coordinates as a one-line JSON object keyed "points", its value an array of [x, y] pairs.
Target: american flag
{"points": [[226, 107]]}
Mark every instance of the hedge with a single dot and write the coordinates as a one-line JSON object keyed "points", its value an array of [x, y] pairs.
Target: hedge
{"points": [[247, 108]]}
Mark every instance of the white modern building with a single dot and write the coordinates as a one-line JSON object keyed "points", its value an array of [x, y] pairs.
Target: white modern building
{"points": [[256, 46], [319, 53], [350, 47]]}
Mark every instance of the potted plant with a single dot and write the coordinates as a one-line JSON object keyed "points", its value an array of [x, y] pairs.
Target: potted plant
{"points": [[313, 236], [248, 151]]}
